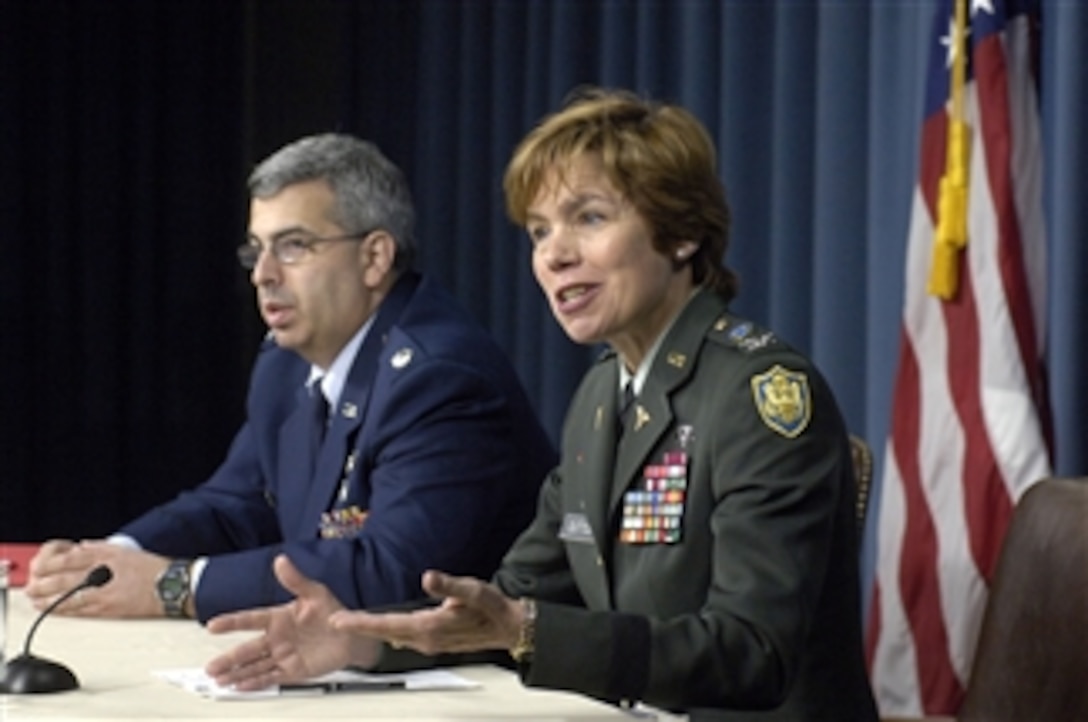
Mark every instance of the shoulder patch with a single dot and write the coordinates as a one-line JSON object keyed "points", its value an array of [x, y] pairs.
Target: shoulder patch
{"points": [[783, 400]]}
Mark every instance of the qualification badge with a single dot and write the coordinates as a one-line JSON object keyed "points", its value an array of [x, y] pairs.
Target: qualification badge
{"points": [[783, 400]]}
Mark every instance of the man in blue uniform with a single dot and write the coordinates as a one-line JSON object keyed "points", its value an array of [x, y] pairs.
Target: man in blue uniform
{"points": [[386, 433]]}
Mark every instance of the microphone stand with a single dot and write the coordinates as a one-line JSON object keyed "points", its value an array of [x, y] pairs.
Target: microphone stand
{"points": [[29, 674]]}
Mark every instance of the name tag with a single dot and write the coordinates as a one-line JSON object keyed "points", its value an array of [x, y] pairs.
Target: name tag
{"points": [[575, 528]]}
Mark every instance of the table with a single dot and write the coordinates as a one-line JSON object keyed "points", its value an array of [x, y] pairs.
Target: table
{"points": [[114, 659]]}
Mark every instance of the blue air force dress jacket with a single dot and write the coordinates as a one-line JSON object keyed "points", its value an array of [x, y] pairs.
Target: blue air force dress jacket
{"points": [[705, 559], [432, 459]]}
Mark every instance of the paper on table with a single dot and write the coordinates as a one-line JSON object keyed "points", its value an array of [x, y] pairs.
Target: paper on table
{"points": [[196, 681]]}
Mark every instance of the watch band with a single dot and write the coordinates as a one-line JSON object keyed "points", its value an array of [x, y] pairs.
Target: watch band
{"points": [[523, 649]]}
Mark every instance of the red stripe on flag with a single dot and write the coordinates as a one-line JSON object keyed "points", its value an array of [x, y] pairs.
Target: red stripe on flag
{"points": [[996, 133], [986, 502], [934, 139], [919, 587]]}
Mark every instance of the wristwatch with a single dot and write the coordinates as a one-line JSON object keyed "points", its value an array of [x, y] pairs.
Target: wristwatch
{"points": [[172, 587], [523, 649]]}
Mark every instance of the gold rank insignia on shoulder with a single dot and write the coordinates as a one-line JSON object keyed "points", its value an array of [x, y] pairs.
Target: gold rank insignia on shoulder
{"points": [[783, 400]]}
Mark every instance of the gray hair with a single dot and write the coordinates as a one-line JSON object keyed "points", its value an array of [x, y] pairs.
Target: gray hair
{"points": [[371, 192]]}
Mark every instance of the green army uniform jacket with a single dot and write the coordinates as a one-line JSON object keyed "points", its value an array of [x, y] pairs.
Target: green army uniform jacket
{"points": [[741, 603]]}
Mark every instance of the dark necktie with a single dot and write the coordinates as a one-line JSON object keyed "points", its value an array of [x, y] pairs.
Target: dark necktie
{"points": [[319, 419], [627, 405]]}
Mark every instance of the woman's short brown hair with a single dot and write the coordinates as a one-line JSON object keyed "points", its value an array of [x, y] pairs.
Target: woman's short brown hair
{"points": [[660, 157]]}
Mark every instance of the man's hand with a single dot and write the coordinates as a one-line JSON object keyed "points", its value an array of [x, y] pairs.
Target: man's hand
{"points": [[297, 641], [60, 565], [474, 615]]}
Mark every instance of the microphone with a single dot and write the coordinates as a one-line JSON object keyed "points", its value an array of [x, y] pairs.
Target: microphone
{"points": [[27, 674]]}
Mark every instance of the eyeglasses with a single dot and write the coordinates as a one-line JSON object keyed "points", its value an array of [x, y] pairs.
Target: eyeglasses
{"points": [[290, 248]]}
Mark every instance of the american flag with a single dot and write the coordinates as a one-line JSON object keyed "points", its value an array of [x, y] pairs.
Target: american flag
{"points": [[970, 430]]}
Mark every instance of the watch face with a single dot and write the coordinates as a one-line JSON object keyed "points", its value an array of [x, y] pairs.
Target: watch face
{"points": [[174, 584], [172, 588]]}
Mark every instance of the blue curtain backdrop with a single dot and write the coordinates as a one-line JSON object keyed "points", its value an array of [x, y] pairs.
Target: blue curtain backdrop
{"points": [[129, 126]]}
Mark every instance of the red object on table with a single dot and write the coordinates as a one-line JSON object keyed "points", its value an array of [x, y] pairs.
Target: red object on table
{"points": [[19, 555]]}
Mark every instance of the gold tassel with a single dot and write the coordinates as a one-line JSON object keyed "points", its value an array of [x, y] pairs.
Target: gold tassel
{"points": [[950, 236]]}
